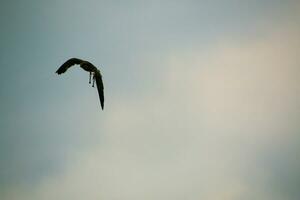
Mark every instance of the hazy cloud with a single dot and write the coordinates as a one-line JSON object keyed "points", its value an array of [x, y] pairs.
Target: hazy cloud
{"points": [[198, 107], [223, 125]]}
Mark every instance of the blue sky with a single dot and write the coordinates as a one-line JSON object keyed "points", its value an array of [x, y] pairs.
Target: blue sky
{"points": [[202, 100]]}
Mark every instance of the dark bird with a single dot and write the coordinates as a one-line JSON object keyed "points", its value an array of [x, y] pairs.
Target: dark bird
{"points": [[87, 66]]}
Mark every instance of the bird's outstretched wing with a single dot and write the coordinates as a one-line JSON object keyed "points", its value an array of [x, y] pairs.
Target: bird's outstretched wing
{"points": [[100, 87], [69, 63]]}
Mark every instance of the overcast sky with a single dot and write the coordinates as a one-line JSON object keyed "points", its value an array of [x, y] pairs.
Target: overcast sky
{"points": [[202, 100]]}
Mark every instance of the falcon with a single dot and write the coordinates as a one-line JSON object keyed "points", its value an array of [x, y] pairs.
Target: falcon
{"points": [[95, 74]]}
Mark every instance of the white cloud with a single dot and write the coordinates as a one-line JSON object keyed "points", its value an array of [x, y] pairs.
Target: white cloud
{"points": [[202, 135]]}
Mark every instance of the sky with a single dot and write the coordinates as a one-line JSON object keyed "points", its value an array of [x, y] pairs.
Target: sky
{"points": [[202, 100]]}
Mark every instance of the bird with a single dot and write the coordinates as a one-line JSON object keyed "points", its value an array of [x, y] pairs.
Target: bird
{"points": [[95, 74]]}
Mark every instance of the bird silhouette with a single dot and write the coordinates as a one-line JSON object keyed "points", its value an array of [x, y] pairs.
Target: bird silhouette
{"points": [[94, 73]]}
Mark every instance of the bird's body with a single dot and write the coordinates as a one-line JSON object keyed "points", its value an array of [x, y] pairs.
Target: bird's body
{"points": [[89, 67]]}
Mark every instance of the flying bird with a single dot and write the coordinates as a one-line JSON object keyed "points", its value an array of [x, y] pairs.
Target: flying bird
{"points": [[95, 74]]}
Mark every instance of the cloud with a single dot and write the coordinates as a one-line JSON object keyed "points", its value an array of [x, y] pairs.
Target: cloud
{"points": [[222, 125]]}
